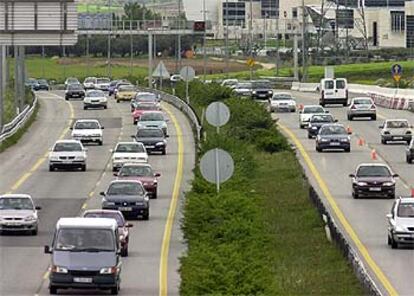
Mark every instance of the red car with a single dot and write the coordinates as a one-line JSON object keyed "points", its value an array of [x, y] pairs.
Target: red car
{"points": [[123, 227], [142, 172], [141, 108]]}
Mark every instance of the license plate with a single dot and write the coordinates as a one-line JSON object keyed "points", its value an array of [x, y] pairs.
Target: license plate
{"points": [[150, 146], [67, 161], [375, 189], [82, 280], [125, 209], [398, 138], [75, 95], [334, 144]]}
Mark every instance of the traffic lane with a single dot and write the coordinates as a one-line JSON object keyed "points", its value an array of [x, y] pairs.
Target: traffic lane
{"points": [[367, 216], [146, 236], [60, 193], [368, 130], [52, 119]]}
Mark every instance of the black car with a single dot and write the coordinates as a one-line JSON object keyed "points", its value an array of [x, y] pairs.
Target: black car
{"points": [[409, 152], [153, 139], [316, 122], [41, 84], [74, 91], [373, 180], [128, 197], [333, 136], [262, 89]]}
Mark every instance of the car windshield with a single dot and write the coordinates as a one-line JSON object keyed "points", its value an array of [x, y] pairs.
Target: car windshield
{"points": [[373, 171], [322, 118], [69, 146], [126, 88], [95, 94], [85, 239], [150, 133], [16, 203], [42, 81], [146, 107], [86, 125], [313, 110], [362, 102], [113, 83], [75, 87], [125, 188], [103, 80], [129, 148], [282, 97], [90, 80], [140, 171], [152, 117], [243, 85], [262, 84], [406, 210], [72, 80], [397, 124], [110, 215], [333, 130]]}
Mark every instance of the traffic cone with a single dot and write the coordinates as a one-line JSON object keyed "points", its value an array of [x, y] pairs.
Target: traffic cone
{"points": [[300, 106], [373, 154], [361, 142], [349, 130], [412, 192]]}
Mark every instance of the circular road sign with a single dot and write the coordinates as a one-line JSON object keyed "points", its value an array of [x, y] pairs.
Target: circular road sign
{"points": [[396, 69], [217, 166], [187, 73], [217, 114]]}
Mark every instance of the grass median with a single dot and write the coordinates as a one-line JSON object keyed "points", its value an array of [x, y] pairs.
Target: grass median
{"points": [[261, 235]]}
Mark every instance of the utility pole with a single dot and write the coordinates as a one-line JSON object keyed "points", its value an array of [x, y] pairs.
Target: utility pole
{"points": [[109, 40], [227, 39], [87, 55], [295, 57], [131, 44], [178, 61], [43, 61], [150, 60], [204, 43], [251, 37], [19, 77], [3, 62], [303, 41]]}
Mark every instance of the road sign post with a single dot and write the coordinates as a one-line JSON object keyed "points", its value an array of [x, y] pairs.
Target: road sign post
{"points": [[217, 114], [187, 73], [396, 72], [217, 166], [161, 72], [2, 82]]}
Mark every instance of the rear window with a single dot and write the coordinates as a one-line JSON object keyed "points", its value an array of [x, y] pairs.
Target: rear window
{"points": [[315, 109], [362, 101], [340, 84], [116, 216], [329, 84]]}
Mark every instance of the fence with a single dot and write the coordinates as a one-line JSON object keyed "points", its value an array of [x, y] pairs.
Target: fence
{"points": [[12, 127]]}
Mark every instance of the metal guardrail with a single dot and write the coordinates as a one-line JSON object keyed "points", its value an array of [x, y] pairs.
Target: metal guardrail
{"points": [[348, 251], [12, 127], [182, 106]]}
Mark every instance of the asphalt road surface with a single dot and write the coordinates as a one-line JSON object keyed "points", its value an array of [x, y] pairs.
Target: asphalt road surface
{"points": [[152, 263], [366, 224]]}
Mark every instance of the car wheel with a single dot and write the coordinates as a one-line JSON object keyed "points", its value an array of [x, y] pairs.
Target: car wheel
{"points": [[164, 151], [409, 159], [374, 117], [100, 143], [383, 141], [318, 149], [51, 168], [155, 194], [293, 110], [83, 168], [350, 118], [309, 136], [345, 104], [394, 244], [105, 107], [408, 142], [115, 290], [114, 169], [146, 216], [392, 196], [34, 231], [300, 126], [53, 290], [124, 252], [388, 240], [348, 149], [322, 104], [66, 98], [355, 195], [117, 101], [84, 107]]}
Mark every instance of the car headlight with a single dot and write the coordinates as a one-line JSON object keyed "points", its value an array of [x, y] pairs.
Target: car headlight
{"points": [[388, 184], [53, 158], [314, 128], [254, 92], [79, 158], [139, 124], [270, 91], [109, 203], [386, 132], [324, 140], [345, 140], [146, 184], [399, 228], [408, 132], [30, 218], [116, 158], [160, 144], [362, 183], [109, 270], [59, 269], [77, 135]]}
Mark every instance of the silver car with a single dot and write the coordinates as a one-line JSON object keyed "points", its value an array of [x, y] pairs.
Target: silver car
{"points": [[401, 222], [362, 107], [398, 130], [18, 214]]}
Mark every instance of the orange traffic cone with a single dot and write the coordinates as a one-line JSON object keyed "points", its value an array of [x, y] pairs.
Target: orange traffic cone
{"points": [[373, 154], [300, 106], [349, 130], [412, 192], [361, 142]]}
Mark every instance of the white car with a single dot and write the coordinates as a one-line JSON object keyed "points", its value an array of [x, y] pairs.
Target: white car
{"points": [[89, 83], [18, 213], [396, 130], [128, 152], [401, 223], [307, 112], [67, 154], [95, 99], [229, 82], [102, 83], [88, 130], [176, 78], [282, 102]]}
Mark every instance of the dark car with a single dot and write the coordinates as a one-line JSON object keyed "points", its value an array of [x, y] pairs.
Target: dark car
{"points": [[128, 197], [30, 82], [141, 172], [316, 121], [112, 86], [262, 89], [333, 136], [123, 227], [74, 91], [154, 139], [373, 180], [409, 152], [41, 84]]}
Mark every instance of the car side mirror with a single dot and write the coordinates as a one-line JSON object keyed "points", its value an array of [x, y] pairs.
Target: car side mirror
{"points": [[326, 111], [133, 136], [389, 216], [336, 120], [111, 150], [300, 111], [352, 175], [102, 127], [167, 136], [381, 126], [71, 128], [395, 176], [38, 208], [129, 225], [116, 174], [85, 149], [157, 175], [102, 193], [349, 132], [47, 250]]}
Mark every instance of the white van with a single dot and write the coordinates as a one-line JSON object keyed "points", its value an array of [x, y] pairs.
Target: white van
{"points": [[333, 91]]}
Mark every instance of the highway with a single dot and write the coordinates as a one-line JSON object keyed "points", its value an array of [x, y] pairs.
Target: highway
{"points": [[364, 221], [152, 264]]}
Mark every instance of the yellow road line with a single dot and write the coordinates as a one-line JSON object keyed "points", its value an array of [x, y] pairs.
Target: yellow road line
{"points": [[338, 212], [163, 273], [21, 180]]}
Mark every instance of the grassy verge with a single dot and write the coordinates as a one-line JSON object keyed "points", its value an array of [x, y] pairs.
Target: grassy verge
{"points": [[261, 235], [16, 137]]}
